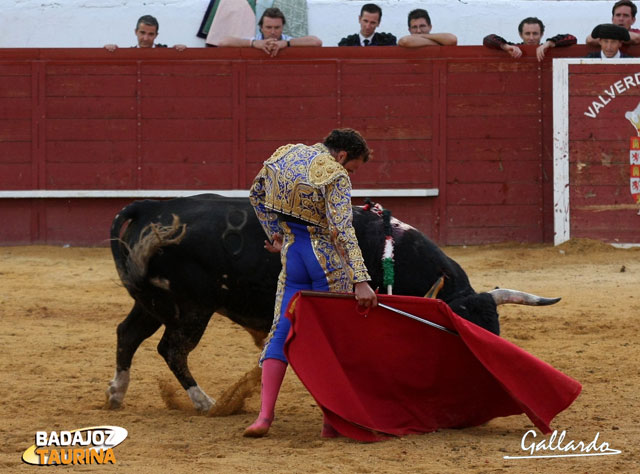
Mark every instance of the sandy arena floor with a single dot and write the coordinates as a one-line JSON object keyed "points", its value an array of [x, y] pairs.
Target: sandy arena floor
{"points": [[59, 308]]}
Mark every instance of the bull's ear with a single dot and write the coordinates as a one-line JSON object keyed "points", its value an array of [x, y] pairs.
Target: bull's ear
{"points": [[435, 289]]}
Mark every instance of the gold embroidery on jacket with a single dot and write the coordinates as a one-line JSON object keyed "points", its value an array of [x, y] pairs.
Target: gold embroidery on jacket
{"points": [[306, 182]]}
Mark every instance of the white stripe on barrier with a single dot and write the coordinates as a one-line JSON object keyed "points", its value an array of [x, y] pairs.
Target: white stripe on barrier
{"points": [[160, 193]]}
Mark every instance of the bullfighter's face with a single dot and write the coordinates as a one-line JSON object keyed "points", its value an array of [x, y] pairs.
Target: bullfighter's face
{"points": [[352, 165], [368, 23], [609, 47], [146, 35], [531, 33]]}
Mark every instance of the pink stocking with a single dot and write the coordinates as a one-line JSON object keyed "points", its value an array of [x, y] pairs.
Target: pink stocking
{"points": [[273, 371]]}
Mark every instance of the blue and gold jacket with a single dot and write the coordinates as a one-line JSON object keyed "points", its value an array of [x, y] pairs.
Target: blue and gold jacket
{"points": [[307, 183]]}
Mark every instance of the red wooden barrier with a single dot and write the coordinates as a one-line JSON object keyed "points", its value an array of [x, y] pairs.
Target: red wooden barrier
{"points": [[603, 151], [468, 121]]}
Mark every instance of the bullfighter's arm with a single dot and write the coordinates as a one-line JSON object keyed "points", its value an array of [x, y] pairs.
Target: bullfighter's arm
{"points": [[268, 219], [498, 42], [557, 41], [340, 217]]}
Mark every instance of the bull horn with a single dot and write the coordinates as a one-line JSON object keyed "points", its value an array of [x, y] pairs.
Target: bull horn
{"points": [[435, 289], [503, 295]]}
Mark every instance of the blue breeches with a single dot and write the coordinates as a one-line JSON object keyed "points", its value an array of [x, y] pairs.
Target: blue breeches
{"points": [[309, 262]]}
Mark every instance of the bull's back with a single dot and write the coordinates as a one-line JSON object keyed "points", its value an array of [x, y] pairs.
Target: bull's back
{"points": [[219, 264]]}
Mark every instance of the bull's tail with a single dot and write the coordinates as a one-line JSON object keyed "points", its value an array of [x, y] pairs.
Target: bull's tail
{"points": [[132, 257]]}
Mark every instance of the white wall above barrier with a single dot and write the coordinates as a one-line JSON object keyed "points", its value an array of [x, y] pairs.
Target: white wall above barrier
{"points": [[94, 23]]}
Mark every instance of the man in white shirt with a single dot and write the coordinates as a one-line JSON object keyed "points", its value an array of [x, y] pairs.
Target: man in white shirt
{"points": [[270, 39]]}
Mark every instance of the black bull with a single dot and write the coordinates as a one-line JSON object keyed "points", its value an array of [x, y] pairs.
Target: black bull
{"points": [[184, 259]]}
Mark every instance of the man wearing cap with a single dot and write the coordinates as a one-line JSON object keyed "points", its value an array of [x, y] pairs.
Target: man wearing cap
{"points": [[610, 37]]}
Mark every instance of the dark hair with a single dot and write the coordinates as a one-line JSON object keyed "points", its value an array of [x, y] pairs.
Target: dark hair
{"points": [[530, 20], [371, 8], [272, 12], [349, 140], [418, 13], [149, 21], [625, 3]]}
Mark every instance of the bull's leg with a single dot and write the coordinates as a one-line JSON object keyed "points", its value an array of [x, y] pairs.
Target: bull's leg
{"points": [[175, 346], [137, 327]]}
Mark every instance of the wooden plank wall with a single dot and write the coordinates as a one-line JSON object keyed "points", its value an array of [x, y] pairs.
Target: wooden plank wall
{"points": [[601, 204], [465, 120]]}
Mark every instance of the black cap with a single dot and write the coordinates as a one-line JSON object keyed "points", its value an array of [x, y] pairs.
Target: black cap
{"points": [[610, 31]]}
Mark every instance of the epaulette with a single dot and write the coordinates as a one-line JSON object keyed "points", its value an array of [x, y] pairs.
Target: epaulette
{"points": [[324, 169], [386, 39], [279, 153]]}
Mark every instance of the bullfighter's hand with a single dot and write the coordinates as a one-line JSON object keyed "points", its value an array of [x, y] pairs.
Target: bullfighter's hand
{"points": [[276, 246], [540, 51], [513, 51], [365, 296]]}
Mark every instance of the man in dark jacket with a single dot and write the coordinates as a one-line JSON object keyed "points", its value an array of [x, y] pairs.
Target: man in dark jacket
{"points": [[610, 37], [530, 30], [369, 19]]}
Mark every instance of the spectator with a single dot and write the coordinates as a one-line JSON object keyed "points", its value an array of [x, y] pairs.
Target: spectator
{"points": [[420, 32], [369, 19], [531, 30], [610, 37], [147, 31], [270, 39], [623, 14]]}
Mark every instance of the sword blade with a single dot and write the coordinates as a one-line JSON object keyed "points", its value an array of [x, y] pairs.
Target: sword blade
{"points": [[417, 318]]}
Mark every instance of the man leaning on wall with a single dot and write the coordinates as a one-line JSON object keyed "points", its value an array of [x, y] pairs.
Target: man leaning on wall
{"points": [[146, 33], [623, 14], [420, 32], [270, 39], [530, 30]]}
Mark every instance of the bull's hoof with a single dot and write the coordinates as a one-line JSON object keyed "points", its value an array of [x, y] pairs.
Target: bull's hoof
{"points": [[117, 389], [201, 401], [113, 400]]}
